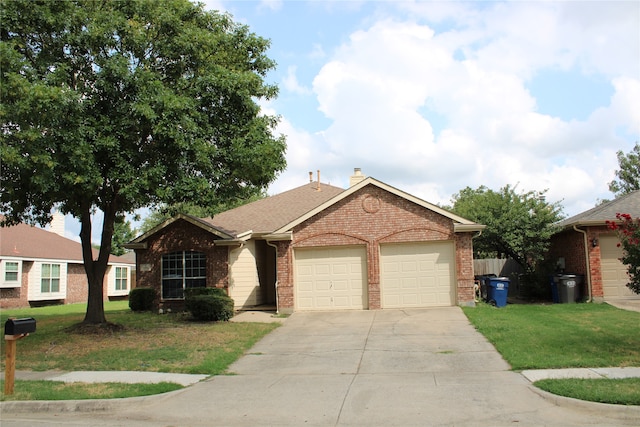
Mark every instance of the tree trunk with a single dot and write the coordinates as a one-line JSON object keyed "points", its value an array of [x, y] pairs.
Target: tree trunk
{"points": [[96, 269]]}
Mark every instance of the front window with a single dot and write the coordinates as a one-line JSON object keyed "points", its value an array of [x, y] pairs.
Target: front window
{"points": [[50, 278], [182, 270], [11, 271], [121, 278]]}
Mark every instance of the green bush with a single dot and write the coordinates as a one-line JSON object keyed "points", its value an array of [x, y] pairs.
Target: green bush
{"points": [[210, 307], [192, 292], [141, 299]]}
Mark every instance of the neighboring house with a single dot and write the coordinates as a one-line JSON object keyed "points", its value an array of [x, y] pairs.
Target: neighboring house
{"points": [[316, 247], [587, 247], [40, 267]]}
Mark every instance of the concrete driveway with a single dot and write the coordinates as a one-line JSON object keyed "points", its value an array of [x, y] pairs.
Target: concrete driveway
{"points": [[356, 368]]}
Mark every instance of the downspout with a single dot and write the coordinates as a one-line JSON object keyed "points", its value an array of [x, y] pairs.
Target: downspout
{"points": [[586, 257], [476, 288], [276, 271]]}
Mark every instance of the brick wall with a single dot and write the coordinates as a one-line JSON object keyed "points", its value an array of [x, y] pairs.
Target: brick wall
{"points": [[180, 236], [570, 245], [370, 217], [77, 285]]}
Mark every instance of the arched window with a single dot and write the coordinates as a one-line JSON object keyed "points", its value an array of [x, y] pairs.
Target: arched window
{"points": [[180, 270]]}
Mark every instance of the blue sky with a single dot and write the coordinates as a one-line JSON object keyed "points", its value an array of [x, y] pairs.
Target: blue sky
{"points": [[432, 97]]}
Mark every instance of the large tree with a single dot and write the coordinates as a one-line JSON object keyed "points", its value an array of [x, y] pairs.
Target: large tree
{"points": [[628, 176], [118, 105], [519, 224]]}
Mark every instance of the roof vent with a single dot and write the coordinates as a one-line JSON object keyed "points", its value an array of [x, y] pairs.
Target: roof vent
{"points": [[356, 177]]}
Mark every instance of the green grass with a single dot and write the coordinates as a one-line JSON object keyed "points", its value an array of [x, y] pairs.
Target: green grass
{"points": [[56, 390], [567, 336], [560, 335], [148, 342], [619, 391]]}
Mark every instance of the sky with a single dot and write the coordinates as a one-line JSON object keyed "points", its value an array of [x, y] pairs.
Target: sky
{"points": [[433, 97]]}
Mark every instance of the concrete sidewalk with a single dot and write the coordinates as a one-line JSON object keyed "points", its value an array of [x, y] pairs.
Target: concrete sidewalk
{"points": [[132, 377], [128, 377]]}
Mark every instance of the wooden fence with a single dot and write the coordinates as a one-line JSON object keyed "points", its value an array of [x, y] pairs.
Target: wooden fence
{"points": [[501, 268]]}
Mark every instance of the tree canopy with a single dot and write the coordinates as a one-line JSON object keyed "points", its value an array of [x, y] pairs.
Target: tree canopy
{"points": [[628, 176], [119, 105], [519, 225]]}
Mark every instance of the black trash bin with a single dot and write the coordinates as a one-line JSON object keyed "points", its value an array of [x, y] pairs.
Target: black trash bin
{"points": [[569, 288], [483, 279]]}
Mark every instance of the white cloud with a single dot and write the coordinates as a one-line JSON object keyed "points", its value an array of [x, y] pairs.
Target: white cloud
{"points": [[374, 86], [290, 82]]}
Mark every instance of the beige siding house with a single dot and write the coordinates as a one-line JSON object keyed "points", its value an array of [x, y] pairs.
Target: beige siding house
{"points": [[41, 267]]}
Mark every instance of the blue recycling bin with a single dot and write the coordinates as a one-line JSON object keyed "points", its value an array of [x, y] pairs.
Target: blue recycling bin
{"points": [[497, 290]]}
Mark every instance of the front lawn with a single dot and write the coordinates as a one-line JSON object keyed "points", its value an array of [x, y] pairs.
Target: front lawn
{"points": [[147, 342], [567, 336], [560, 335]]}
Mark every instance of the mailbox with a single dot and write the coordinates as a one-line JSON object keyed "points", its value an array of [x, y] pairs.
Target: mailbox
{"points": [[20, 326]]}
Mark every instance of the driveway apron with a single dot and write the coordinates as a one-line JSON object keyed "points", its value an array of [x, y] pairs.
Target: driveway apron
{"points": [[364, 368]]}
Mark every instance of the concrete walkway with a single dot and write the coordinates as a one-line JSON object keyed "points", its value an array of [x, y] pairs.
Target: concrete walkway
{"points": [[133, 377], [356, 368]]}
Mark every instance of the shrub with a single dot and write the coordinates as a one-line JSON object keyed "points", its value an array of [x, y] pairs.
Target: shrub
{"points": [[141, 299], [192, 292], [210, 307]]}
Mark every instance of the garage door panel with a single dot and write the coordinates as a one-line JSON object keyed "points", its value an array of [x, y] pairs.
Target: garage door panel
{"points": [[614, 272], [330, 278], [417, 274]]}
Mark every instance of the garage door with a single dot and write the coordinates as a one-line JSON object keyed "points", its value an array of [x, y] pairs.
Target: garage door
{"points": [[417, 275], [331, 278], [614, 272]]}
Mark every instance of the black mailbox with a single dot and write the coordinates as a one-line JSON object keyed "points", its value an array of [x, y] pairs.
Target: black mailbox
{"points": [[20, 326]]}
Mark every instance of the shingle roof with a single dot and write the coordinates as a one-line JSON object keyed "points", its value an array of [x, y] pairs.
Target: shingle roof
{"points": [[28, 242], [268, 214], [628, 203]]}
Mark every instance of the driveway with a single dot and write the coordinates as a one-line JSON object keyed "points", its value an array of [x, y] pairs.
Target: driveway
{"points": [[356, 368]]}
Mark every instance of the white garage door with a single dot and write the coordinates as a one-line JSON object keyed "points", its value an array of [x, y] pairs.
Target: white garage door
{"points": [[614, 272], [331, 278], [417, 275]]}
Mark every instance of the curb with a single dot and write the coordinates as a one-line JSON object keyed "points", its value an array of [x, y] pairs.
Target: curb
{"points": [[85, 405], [620, 412]]}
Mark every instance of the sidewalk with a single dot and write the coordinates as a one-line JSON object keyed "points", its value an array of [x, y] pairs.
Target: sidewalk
{"points": [[129, 377], [590, 373], [185, 380]]}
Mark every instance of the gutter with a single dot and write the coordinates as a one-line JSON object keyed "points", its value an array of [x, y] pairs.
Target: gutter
{"points": [[586, 257]]}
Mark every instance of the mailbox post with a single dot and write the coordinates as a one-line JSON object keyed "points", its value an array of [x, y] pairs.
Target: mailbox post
{"points": [[14, 329]]}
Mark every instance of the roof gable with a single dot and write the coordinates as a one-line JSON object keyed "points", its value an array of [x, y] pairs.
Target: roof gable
{"points": [[599, 215], [460, 224], [280, 213], [198, 222]]}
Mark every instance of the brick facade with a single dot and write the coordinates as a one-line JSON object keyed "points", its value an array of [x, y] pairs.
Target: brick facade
{"points": [[569, 244], [372, 217], [180, 236], [368, 217]]}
